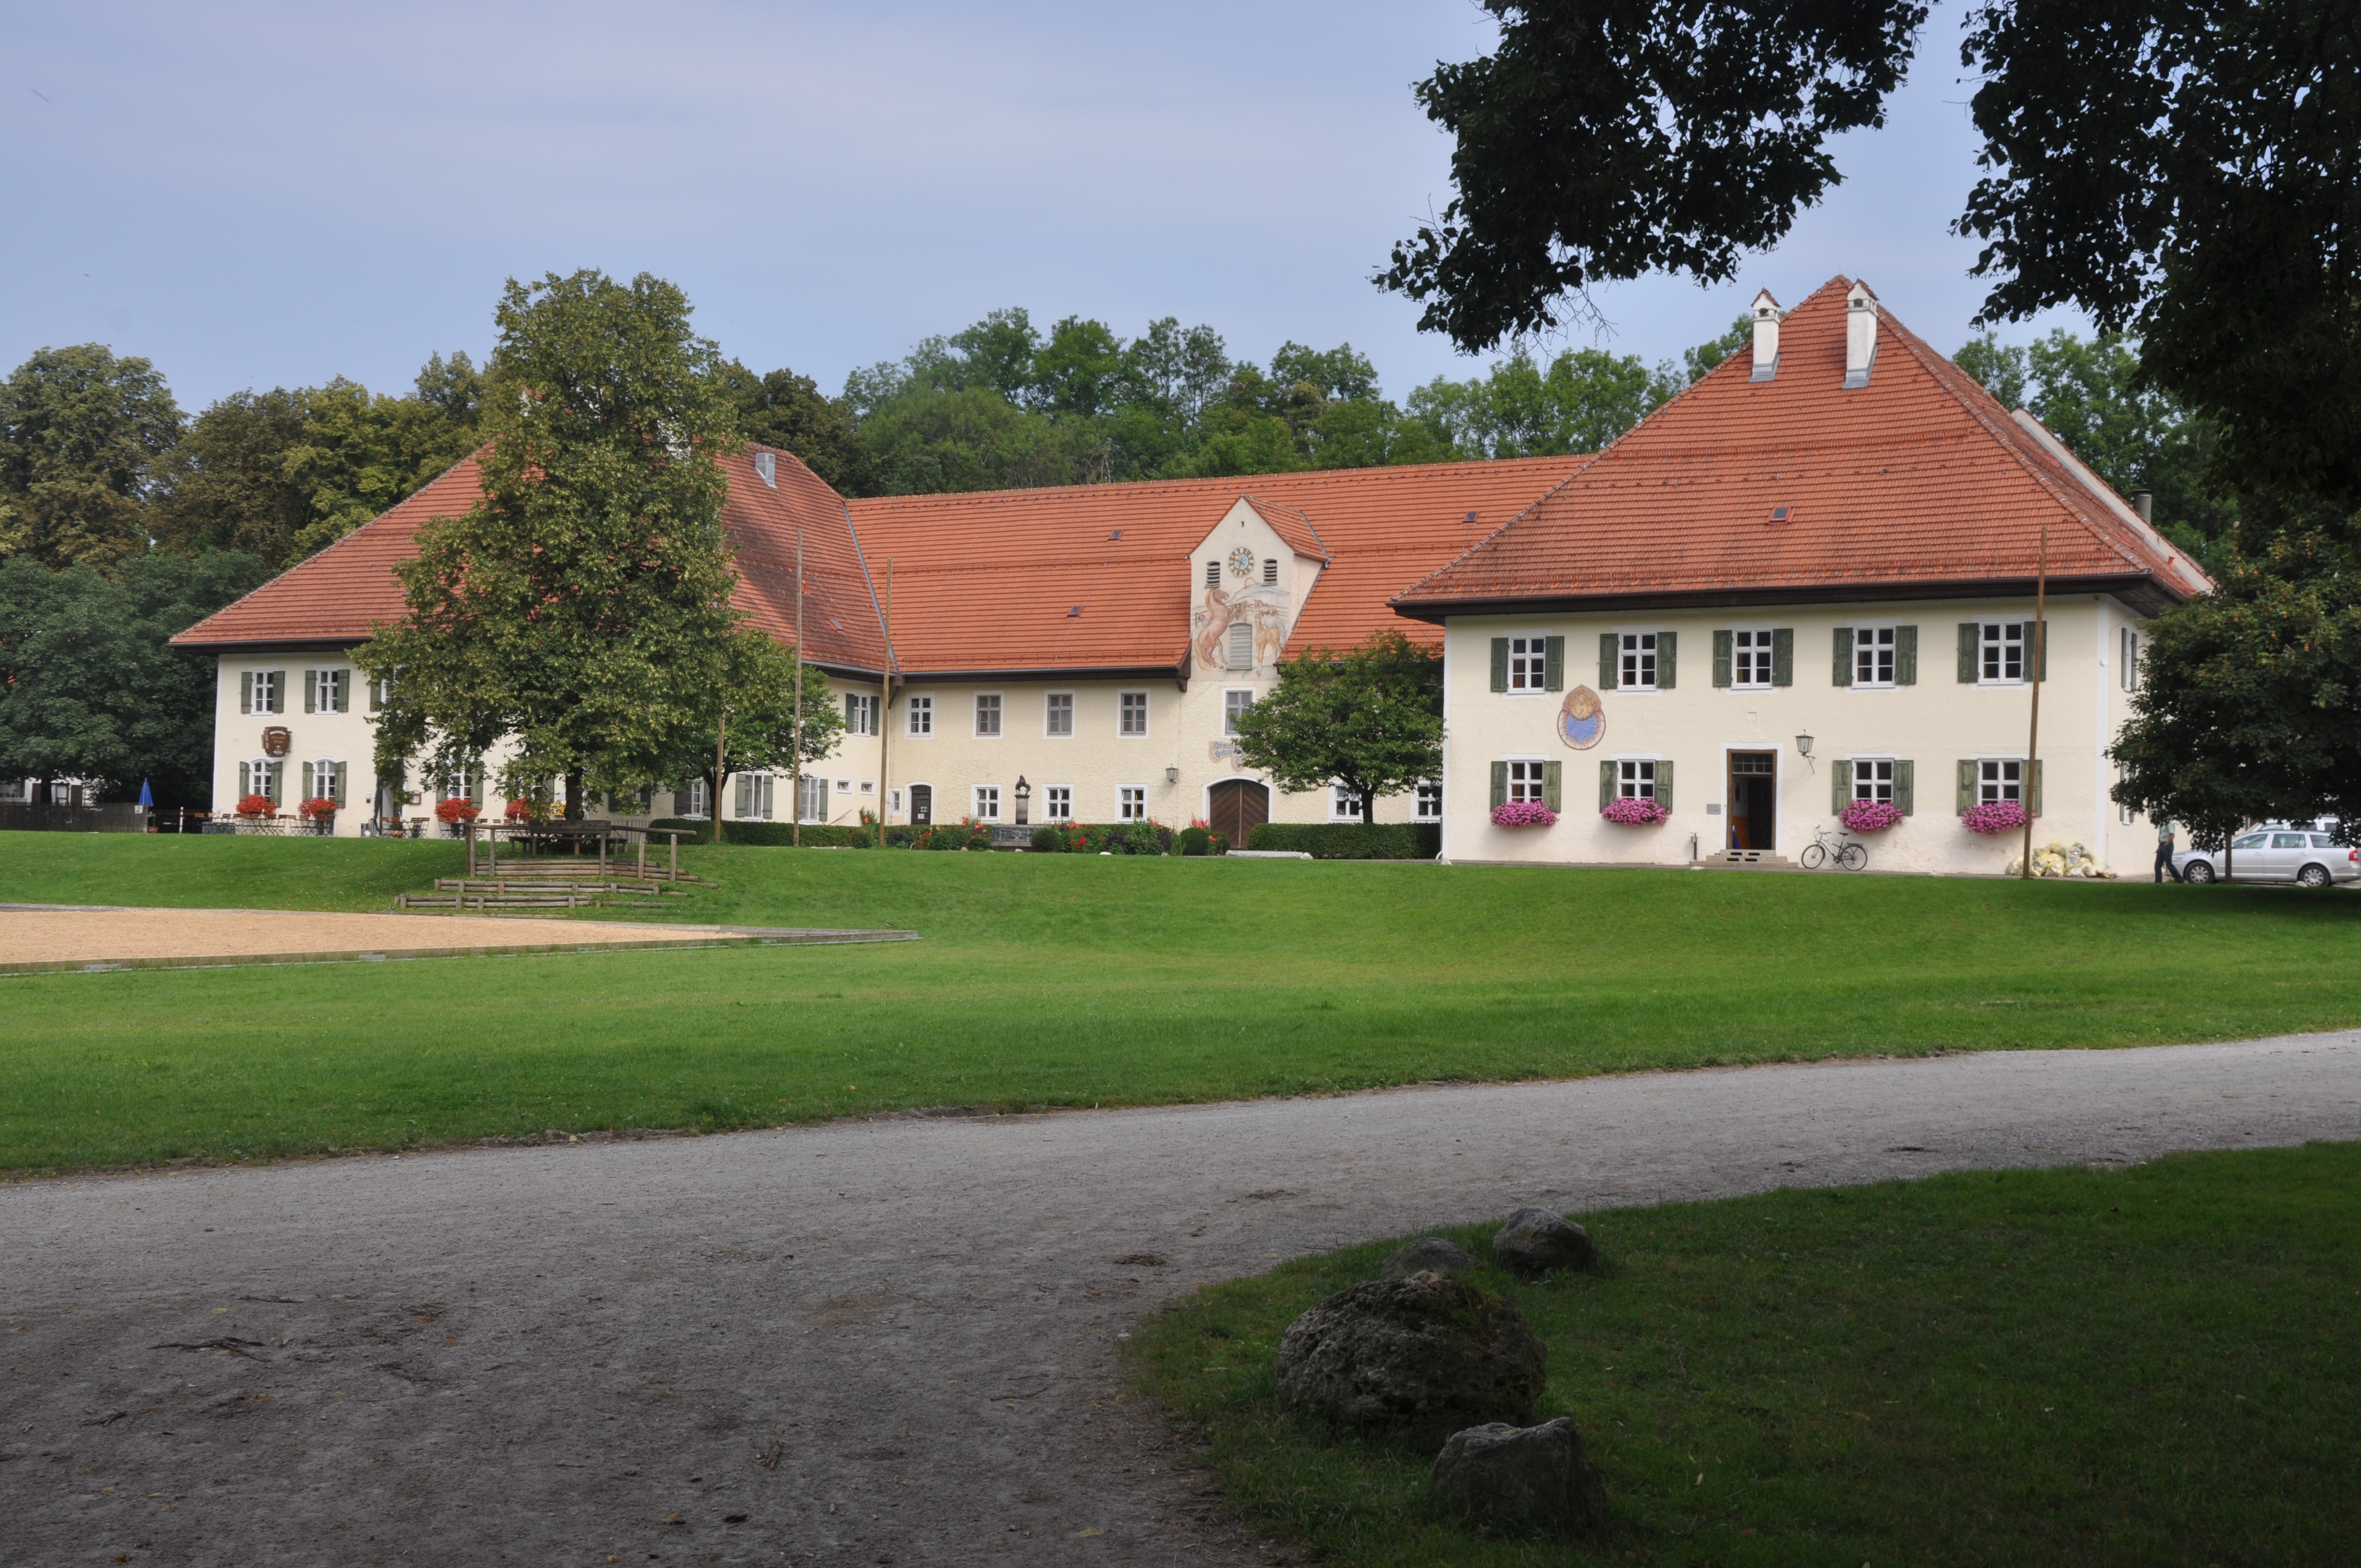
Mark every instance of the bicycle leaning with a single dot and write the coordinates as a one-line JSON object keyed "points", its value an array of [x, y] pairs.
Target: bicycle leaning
{"points": [[1852, 856]]}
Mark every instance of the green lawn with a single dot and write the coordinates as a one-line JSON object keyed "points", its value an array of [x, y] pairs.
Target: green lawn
{"points": [[1077, 980], [2066, 1366]]}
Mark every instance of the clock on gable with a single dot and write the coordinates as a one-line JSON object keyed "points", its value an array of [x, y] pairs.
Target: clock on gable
{"points": [[1242, 562]]}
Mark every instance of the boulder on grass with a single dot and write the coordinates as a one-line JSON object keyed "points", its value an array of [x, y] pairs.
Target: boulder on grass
{"points": [[1519, 1480], [1428, 1253], [1426, 1355], [1535, 1241]]}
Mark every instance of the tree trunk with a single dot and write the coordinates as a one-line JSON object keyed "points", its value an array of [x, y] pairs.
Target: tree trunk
{"points": [[574, 812]]}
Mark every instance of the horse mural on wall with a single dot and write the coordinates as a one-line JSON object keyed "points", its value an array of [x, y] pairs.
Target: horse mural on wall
{"points": [[1263, 607]]}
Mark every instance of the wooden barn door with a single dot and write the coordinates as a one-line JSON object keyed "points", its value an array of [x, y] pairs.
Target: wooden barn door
{"points": [[1238, 807]]}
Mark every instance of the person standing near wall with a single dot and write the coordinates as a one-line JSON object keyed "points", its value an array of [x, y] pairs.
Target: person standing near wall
{"points": [[2164, 832]]}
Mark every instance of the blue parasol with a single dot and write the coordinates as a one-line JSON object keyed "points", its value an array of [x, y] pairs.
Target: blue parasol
{"points": [[147, 797]]}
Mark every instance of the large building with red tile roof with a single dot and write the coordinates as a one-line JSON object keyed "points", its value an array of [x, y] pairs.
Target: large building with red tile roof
{"points": [[1805, 586], [1076, 653]]}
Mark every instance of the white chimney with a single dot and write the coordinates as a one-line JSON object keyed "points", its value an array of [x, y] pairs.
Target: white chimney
{"points": [[1861, 336], [1766, 338]]}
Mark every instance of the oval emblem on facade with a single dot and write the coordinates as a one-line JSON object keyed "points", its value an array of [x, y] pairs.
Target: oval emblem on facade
{"points": [[276, 741], [1581, 722]]}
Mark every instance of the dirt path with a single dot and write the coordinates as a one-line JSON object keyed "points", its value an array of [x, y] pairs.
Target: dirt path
{"points": [[861, 1343]]}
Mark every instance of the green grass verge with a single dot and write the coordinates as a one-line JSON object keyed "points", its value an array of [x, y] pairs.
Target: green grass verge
{"points": [[2147, 1366], [1076, 981]]}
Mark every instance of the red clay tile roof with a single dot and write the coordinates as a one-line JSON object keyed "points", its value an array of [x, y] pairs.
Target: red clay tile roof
{"points": [[988, 581], [1916, 483], [1292, 527], [338, 595]]}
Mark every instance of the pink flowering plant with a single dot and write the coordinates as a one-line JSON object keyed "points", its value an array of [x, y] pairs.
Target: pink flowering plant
{"points": [[1633, 812], [1523, 814], [1870, 816], [1993, 817]]}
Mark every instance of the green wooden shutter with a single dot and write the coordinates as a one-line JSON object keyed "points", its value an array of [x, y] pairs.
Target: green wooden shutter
{"points": [[276, 774], [2033, 788], [1967, 784], [1839, 784], [244, 780], [1500, 664], [1607, 660], [476, 783], [1554, 664], [1668, 658], [2041, 649], [344, 691], [1969, 632], [1906, 655], [1721, 658], [339, 795], [1552, 784], [1841, 667], [311, 687], [744, 798], [374, 701], [823, 798], [1606, 784], [1905, 791], [1499, 784], [1783, 656], [245, 700], [1664, 785]]}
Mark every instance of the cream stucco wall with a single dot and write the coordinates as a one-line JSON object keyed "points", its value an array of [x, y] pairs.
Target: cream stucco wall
{"points": [[1934, 723]]}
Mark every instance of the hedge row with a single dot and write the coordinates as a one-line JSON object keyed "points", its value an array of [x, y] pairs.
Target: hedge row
{"points": [[1102, 838], [1352, 840], [773, 835]]}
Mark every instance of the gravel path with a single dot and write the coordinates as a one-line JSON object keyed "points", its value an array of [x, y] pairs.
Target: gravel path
{"points": [[875, 1343]]}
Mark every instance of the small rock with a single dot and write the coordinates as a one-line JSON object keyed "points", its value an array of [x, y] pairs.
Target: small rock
{"points": [[1535, 1241], [1519, 1480], [1428, 1253], [1429, 1355]]}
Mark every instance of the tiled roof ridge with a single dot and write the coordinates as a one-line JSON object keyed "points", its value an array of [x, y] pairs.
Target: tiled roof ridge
{"points": [[1264, 507], [1365, 473]]}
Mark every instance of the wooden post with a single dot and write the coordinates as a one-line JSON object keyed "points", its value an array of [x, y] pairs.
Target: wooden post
{"points": [[886, 716], [471, 848], [796, 763], [721, 754], [2032, 735], [640, 864], [675, 856]]}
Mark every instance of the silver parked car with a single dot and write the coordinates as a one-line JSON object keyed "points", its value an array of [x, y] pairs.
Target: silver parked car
{"points": [[2302, 855]]}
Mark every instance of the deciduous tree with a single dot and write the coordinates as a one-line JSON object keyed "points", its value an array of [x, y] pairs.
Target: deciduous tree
{"points": [[1370, 718], [80, 435]]}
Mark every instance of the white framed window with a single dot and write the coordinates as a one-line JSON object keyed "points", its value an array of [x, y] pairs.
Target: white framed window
{"points": [[262, 691], [14, 789], [381, 692], [1636, 662], [464, 783], [1750, 660], [2001, 654], [1060, 802], [1131, 713], [689, 800], [1235, 701], [922, 715], [327, 691], [260, 776], [2129, 660], [1872, 655], [861, 713], [1635, 778], [1873, 779], [987, 802], [1529, 664], [1239, 654], [987, 716], [326, 781], [812, 799], [869, 787], [1344, 805], [1525, 779], [1999, 778], [754, 797], [1131, 803], [1058, 715], [1427, 800]]}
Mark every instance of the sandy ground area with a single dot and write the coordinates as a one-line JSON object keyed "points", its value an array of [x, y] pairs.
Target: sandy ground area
{"points": [[873, 1342], [155, 935]]}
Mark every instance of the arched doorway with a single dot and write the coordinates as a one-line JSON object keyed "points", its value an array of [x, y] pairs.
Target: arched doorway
{"points": [[1236, 807]]}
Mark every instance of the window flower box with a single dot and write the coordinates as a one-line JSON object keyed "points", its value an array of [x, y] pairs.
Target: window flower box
{"points": [[1523, 814], [458, 812], [533, 811], [1993, 817], [1631, 811], [1870, 816], [256, 805]]}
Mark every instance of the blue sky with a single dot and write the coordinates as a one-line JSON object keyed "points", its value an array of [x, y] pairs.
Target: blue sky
{"points": [[259, 195]]}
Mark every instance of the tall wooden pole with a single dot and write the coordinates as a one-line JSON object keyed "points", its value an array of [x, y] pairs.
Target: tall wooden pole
{"points": [[796, 774], [2032, 735], [885, 714], [721, 753]]}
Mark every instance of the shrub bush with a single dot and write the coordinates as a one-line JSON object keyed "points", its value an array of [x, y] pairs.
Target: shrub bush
{"points": [[1104, 838], [1048, 840], [1201, 841], [769, 835], [1352, 840]]}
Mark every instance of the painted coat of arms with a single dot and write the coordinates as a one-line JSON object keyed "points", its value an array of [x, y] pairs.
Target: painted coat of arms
{"points": [[1581, 722]]}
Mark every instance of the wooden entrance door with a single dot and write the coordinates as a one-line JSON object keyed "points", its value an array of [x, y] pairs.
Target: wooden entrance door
{"points": [[1238, 807], [1753, 800], [922, 804]]}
